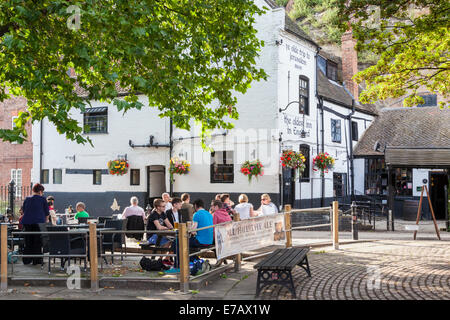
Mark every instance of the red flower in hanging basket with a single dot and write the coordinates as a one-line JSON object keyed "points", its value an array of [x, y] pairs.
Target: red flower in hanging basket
{"points": [[118, 167], [252, 169]]}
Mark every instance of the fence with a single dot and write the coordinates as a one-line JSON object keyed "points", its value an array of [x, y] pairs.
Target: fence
{"points": [[182, 236], [12, 197]]}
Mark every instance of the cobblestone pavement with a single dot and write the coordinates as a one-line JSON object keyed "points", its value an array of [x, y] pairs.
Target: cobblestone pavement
{"points": [[380, 270]]}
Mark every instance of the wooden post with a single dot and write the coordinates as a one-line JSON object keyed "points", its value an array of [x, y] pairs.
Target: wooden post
{"points": [[288, 225], [4, 258], [432, 213], [238, 257], [419, 210], [93, 255], [336, 225], [183, 256]]}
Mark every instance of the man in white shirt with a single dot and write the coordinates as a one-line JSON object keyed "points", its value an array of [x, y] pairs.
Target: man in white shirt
{"points": [[134, 209]]}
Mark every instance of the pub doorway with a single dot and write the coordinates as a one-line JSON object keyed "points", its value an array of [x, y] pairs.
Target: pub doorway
{"points": [[439, 193], [156, 183], [288, 187]]}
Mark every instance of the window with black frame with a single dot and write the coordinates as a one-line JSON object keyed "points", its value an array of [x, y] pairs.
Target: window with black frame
{"points": [[135, 177], [430, 100], [354, 131], [222, 167], [336, 130], [339, 184], [303, 92], [45, 176], [57, 176], [97, 177], [96, 120], [332, 70], [305, 150]]}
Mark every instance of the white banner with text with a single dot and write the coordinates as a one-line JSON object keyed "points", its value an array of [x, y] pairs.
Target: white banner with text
{"points": [[249, 234]]}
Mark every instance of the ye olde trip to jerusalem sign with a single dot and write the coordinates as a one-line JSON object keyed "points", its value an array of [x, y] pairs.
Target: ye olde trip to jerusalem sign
{"points": [[249, 234], [293, 124], [297, 55]]}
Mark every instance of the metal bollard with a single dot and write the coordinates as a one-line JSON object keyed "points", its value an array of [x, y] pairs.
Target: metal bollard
{"points": [[391, 219], [354, 222]]}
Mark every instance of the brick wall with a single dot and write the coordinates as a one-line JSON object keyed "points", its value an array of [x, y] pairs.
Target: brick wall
{"points": [[14, 156], [349, 63]]}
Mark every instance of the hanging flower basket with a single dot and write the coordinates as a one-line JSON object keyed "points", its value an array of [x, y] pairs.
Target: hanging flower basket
{"points": [[323, 162], [178, 166], [118, 167], [252, 169], [294, 160]]}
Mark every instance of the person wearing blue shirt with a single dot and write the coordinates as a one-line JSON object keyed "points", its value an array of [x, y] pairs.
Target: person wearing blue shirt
{"points": [[201, 238], [35, 212], [201, 219]]}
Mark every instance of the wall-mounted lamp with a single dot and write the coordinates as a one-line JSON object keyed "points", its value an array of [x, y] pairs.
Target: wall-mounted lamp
{"points": [[71, 158], [279, 42], [120, 156]]}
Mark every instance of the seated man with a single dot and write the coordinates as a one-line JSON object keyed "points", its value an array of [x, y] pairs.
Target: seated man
{"points": [[201, 219], [201, 238], [158, 221]]}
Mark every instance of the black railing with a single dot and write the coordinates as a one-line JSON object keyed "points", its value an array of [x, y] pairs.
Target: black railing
{"points": [[12, 197]]}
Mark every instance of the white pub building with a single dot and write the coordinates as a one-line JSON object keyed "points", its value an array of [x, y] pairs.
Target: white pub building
{"points": [[303, 105]]}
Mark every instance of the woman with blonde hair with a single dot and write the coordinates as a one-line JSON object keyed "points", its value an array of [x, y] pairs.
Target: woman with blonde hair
{"points": [[244, 208], [267, 206]]}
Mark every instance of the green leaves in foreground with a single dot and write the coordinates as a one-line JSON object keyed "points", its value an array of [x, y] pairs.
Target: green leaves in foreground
{"points": [[413, 40], [187, 57]]}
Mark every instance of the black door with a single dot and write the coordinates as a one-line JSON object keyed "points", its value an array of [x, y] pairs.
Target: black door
{"points": [[288, 187], [438, 194]]}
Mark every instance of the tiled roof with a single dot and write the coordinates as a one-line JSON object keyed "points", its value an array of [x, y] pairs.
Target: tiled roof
{"points": [[272, 4], [292, 26], [427, 127], [334, 92], [81, 92]]}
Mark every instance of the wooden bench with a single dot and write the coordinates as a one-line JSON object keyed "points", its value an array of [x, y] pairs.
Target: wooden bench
{"points": [[277, 267]]}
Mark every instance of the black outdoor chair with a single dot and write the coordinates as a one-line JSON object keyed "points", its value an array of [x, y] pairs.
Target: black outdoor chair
{"points": [[64, 245], [104, 219], [82, 220], [111, 241], [135, 223]]}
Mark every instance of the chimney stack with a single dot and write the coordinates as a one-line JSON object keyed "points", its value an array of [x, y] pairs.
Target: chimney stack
{"points": [[349, 63]]}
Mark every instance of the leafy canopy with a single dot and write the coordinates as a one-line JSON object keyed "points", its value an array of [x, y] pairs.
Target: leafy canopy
{"points": [[412, 39], [186, 56]]}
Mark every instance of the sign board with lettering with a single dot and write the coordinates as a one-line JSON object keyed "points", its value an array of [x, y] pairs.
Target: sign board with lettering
{"points": [[292, 126], [250, 234]]}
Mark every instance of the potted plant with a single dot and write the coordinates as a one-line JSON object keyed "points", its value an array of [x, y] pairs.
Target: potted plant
{"points": [[118, 167], [252, 169], [323, 162], [178, 166], [294, 160]]}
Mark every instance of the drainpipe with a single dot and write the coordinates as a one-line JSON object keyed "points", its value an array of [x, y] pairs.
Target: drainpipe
{"points": [[170, 152], [40, 150], [352, 171], [322, 149], [320, 107]]}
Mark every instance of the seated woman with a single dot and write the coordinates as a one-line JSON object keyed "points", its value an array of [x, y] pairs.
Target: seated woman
{"points": [[81, 213]]}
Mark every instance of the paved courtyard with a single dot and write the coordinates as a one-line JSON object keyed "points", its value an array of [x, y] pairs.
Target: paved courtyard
{"points": [[384, 269], [369, 270]]}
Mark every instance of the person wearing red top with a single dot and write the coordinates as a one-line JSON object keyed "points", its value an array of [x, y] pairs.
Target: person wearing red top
{"points": [[220, 215]]}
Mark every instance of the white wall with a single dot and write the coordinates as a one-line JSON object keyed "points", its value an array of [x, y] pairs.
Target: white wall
{"points": [[134, 125]]}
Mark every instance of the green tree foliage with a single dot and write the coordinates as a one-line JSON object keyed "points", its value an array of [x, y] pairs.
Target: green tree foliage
{"points": [[186, 56], [321, 15], [412, 38]]}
